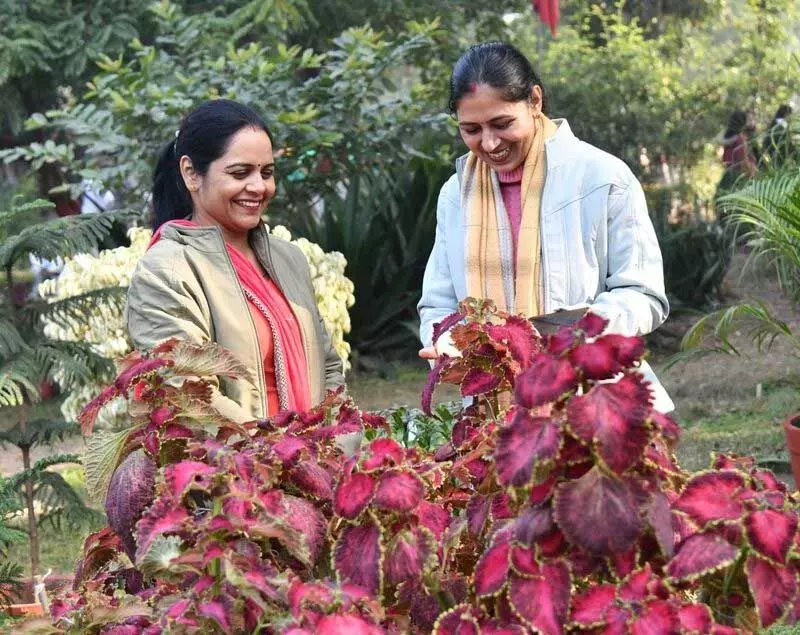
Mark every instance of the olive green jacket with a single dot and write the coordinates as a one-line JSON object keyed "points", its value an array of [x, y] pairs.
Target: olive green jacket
{"points": [[185, 286]]}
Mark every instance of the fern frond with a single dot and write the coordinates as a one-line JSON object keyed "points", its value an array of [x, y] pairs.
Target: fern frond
{"points": [[41, 432], [19, 210], [60, 500], [11, 341], [60, 238], [19, 378], [73, 363], [76, 309]]}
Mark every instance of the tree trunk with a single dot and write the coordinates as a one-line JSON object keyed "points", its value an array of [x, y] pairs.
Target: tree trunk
{"points": [[33, 530]]}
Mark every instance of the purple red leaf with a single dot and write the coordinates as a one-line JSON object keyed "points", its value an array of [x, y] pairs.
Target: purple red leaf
{"points": [[491, 572], [548, 379], [353, 495], [399, 491], [596, 360], [589, 607], [543, 602], [613, 416], [599, 513], [701, 554], [478, 382], [710, 496], [773, 588], [771, 533], [409, 554], [358, 557], [523, 443]]}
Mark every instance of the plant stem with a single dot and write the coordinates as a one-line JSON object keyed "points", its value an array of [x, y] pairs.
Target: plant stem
{"points": [[33, 530]]}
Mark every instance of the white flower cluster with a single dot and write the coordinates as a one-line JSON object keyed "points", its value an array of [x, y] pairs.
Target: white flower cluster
{"points": [[333, 290], [114, 267]]}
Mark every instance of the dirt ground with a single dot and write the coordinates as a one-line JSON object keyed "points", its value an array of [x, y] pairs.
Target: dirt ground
{"points": [[705, 387]]}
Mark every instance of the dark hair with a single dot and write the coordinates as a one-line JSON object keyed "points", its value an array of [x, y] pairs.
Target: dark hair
{"points": [[498, 65], [204, 136], [736, 123], [784, 110]]}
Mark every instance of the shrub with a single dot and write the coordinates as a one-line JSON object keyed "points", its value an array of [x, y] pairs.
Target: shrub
{"points": [[556, 506]]}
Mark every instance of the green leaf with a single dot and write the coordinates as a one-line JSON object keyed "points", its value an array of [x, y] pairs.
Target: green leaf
{"points": [[103, 455]]}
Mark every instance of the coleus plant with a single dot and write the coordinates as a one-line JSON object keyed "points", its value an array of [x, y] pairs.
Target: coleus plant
{"points": [[556, 506]]}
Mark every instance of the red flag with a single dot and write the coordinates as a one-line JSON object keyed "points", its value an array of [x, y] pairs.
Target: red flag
{"points": [[548, 12]]}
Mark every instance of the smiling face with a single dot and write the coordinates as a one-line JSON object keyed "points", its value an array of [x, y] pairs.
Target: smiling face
{"points": [[235, 190], [499, 132]]}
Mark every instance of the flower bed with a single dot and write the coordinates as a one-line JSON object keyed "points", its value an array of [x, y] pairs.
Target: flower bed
{"points": [[557, 506]]}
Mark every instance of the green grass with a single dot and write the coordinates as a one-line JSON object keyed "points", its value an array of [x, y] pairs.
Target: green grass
{"points": [[753, 428]]}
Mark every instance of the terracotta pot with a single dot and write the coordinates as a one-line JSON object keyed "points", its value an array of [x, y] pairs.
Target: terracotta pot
{"points": [[791, 428], [25, 610]]}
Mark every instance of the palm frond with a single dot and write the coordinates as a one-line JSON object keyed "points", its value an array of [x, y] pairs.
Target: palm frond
{"points": [[763, 328], [766, 213], [10, 582], [60, 238]]}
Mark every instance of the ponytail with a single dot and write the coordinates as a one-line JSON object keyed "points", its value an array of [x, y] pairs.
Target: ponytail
{"points": [[171, 200]]}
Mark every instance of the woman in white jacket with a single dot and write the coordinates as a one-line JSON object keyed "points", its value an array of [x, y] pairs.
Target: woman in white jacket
{"points": [[534, 218]]}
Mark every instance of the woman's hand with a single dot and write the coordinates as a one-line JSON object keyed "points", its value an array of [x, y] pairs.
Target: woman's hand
{"points": [[429, 352]]}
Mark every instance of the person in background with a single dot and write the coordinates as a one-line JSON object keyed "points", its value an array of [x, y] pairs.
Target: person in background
{"points": [[778, 143], [737, 155], [213, 274], [534, 218]]}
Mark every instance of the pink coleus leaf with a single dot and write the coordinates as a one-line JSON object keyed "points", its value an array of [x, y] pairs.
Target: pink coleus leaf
{"points": [[666, 425], [700, 554], [710, 496], [695, 618], [308, 521], [180, 476], [659, 518], [627, 350], [142, 368], [446, 324], [773, 588], [613, 416], [591, 324], [217, 612], [543, 602], [289, 448], [478, 513], [596, 360], [434, 517], [478, 382], [500, 509], [399, 491], [462, 619], [409, 554], [546, 380], [432, 381], [491, 572], [523, 443], [523, 561], [657, 617], [519, 336], [346, 625], [599, 513], [533, 523], [312, 478], [353, 495], [162, 518], [357, 556], [383, 452], [771, 533], [590, 606]]}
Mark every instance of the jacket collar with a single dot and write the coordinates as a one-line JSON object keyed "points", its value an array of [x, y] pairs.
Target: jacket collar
{"points": [[209, 238], [558, 149]]}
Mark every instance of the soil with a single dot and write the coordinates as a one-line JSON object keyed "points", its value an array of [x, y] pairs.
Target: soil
{"points": [[711, 384]]}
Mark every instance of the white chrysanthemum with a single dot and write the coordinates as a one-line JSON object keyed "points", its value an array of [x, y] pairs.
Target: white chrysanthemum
{"points": [[106, 331]]}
